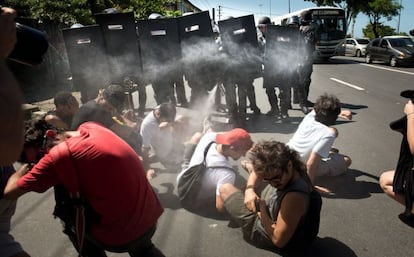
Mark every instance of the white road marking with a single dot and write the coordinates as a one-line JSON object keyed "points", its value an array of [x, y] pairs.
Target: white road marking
{"points": [[388, 69], [347, 84]]}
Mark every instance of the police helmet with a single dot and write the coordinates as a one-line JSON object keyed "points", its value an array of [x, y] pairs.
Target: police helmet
{"points": [[76, 25], [264, 20], [294, 20], [154, 16]]}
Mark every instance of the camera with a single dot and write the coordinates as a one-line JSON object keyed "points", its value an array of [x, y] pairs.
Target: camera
{"points": [[30, 46]]}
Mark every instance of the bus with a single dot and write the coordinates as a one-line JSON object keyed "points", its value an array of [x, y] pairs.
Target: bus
{"points": [[331, 31]]}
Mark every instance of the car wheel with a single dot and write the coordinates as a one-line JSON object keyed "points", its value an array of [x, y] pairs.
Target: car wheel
{"points": [[393, 61], [358, 53], [368, 58]]}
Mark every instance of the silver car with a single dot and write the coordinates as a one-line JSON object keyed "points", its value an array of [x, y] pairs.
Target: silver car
{"points": [[356, 46]]}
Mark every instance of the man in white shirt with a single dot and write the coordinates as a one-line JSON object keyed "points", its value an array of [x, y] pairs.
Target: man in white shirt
{"points": [[314, 139], [230, 144]]}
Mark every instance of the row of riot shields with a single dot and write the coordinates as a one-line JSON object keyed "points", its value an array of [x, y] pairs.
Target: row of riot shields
{"points": [[285, 55], [118, 47]]}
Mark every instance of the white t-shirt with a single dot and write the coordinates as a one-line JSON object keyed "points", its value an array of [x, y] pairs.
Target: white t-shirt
{"points": [[214, 177], [312, 136], [160, 140]]}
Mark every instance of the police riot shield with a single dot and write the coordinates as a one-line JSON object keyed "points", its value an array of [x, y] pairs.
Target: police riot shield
{"points": [[122, 46], [239, 40], [283, 56], [160, 47], [198, 49], [88, 63]]}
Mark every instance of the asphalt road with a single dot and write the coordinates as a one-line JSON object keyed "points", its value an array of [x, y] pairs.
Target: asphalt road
{"points": [[358, 220]]}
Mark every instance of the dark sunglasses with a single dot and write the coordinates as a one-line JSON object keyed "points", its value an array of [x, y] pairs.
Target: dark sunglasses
{"points": [[278, 177]]}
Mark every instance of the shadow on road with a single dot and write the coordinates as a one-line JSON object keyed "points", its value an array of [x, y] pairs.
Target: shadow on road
{"points": [[328, 246], [347, 186]]}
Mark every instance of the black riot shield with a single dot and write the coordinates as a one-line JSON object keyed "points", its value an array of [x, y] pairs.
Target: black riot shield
{"points": [[198, 50], [239, 40], [283, 56], [160, 47], [88, 63], [122, 46]]}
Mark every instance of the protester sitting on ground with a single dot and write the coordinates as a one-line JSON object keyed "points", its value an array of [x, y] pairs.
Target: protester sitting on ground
{"points": [[8, 245], [11, 113], [66, 107], [398, 183], [221, 146], [105, 109], [282, 215], [314, 139], [162, 133], [121, 207]]}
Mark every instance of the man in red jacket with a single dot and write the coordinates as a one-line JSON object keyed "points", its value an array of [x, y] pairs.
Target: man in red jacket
{"points": [[110, 178]]}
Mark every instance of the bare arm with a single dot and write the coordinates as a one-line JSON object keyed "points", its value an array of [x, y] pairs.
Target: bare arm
{"points": [[250, 195], [294, 206], [11, 128], [12, 191], [409, 111], [312, 166]]}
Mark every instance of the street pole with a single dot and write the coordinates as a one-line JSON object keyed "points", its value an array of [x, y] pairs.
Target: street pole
{"points": [[289, 5], [270, 8], [182, 7], [399, 18]]}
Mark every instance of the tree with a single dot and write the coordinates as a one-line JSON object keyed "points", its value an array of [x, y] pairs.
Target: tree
{"points": [[82, 11], [382, 30], [378, 9]]}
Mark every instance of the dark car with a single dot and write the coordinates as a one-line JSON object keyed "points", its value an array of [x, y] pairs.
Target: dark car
{"points": [[394, 50]]}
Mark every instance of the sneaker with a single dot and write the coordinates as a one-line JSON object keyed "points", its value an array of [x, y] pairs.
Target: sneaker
{"points": [[273, 112], [407, 218], [309, 103], [255, 110], [284, 116], [305, 109]]}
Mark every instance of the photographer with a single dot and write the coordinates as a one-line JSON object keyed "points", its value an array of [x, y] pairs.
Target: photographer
{"points": [[398, 183], [11, 128], [104, 176], [8, 246]]}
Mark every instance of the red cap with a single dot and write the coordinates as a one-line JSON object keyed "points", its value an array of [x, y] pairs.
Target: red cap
{"points": [[238, 138]]}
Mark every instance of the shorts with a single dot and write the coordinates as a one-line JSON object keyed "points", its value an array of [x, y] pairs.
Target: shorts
{"points": [[245, 218], [334, 165]]}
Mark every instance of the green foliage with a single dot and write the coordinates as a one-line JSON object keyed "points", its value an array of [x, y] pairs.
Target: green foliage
{"points": [[378, 9], [382, 30], [81, 11]]}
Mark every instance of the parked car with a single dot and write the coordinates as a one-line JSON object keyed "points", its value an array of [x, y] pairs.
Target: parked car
{"points": [[394, 50], [356, 46]]}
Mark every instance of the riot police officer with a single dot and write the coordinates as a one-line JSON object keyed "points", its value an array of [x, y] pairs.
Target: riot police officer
{"points": [[308, 29], [299, 91], [269, 87]]}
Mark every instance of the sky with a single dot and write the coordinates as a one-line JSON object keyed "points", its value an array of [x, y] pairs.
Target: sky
{"points": [[275, 8]]}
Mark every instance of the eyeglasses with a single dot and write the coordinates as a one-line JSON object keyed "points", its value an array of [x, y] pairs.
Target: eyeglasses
{"points": [[278, 177]]}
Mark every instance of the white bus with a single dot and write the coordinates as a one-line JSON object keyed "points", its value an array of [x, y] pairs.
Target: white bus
{"points": [[331, 32]]}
